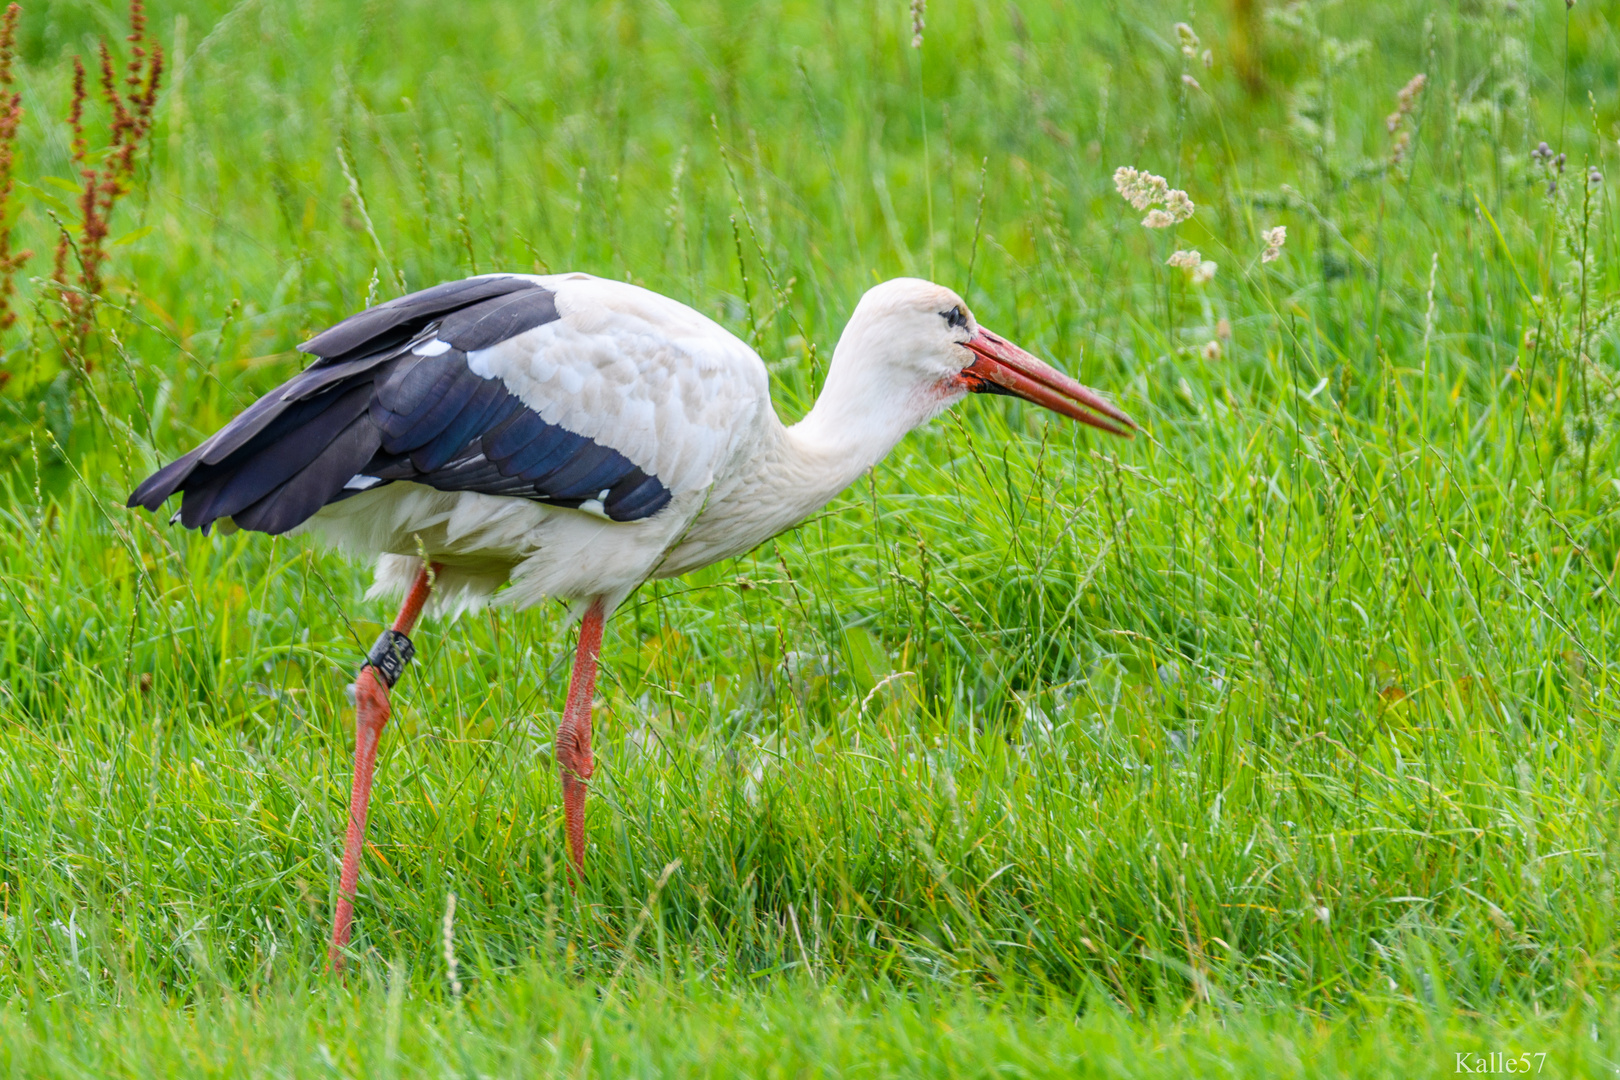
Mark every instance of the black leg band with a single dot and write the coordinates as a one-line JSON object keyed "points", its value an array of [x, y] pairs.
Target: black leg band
{"points": [[390, 655]]}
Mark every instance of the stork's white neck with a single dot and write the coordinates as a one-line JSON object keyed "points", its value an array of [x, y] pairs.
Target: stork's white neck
{"points": [[867, 405], [864, 409], [792, 472], [843, 435]]}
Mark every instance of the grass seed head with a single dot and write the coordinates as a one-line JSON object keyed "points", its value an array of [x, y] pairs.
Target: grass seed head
{"points": [[451, 966], [1188, 39], [1140, 189], [1406, 100], [1199, 269], [1179, 205], [1144, 189], [1275, 237]]}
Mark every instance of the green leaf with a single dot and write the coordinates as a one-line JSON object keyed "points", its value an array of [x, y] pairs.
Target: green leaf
{"points": [[49, 198], [868, 662]]}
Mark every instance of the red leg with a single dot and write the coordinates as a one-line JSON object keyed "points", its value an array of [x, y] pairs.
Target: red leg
{"points": [[574, 736], [370, 714]]}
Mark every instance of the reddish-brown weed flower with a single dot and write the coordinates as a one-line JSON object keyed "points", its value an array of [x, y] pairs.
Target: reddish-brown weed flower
{"points": [[130, 101], [76, 111], [11, 113]]}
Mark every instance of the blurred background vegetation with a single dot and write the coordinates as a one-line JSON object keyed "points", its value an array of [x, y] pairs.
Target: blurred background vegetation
{"points": [[1299, 704]]}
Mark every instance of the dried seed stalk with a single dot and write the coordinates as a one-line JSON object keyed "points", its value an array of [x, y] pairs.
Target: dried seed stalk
{"points": [[11, 113], [130, 112]]}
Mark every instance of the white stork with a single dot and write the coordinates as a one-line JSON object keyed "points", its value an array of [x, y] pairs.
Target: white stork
{"points": [[571, 437]]}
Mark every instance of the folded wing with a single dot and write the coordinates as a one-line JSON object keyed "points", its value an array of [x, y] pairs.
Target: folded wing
{"points": [[393, 396]]}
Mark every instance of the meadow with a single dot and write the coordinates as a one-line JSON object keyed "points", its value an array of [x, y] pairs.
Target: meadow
{"points": [[1280, 740]]}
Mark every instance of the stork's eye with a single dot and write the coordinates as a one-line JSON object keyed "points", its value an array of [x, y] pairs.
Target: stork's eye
{"points": [[954, 317]]}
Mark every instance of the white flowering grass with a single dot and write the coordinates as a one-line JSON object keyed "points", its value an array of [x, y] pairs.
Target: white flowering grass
{"points": [[1389, 599], [1144, 190], [1199, 269], [1274, 237]]}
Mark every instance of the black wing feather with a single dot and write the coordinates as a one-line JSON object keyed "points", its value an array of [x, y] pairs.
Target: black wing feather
{"points": [[313, 486], [267, 459], [437, 394], [261, 473], [372, 406], [586, 473], [483, 406], [636, 496], [551, 449], [392, 324], [494, 321]]}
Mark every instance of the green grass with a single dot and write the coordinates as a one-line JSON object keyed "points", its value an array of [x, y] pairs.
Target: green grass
{"points": [[536, 1023], [1281, 739]]}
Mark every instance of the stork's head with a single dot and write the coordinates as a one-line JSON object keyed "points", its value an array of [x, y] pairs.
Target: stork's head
{"points": [[915, 342]]}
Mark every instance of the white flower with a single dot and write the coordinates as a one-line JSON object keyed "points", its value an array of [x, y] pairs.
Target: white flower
{"points": [[1144, 189], [1204, 273], [1179, 205], [1188, 39], [1184, 260], [1140, 189], [1275, 237], [1211, 350]]}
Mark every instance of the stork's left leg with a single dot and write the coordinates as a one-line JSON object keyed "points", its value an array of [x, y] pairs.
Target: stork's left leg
{"points": [[382, 668], [574, 735]]}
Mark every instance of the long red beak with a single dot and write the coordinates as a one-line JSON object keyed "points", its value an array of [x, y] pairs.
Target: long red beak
{"points": [[1001, 367]]}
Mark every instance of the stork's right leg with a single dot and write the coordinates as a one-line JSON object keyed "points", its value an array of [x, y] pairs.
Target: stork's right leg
{"points": [[388, 658], [574, 736]]}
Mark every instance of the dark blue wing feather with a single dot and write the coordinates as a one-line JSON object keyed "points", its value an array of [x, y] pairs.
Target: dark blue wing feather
{"points": [[552, 448], [587, 473], [447, 387], [636, 496], [481, 409], [521, 428]]}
